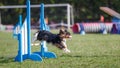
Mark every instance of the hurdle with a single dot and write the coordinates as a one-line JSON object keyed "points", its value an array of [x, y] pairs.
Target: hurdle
{"points": [[44, 50], [23, 33]]}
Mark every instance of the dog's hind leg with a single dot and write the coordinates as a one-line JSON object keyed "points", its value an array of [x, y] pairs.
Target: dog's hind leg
{"points": [[34, 39]]}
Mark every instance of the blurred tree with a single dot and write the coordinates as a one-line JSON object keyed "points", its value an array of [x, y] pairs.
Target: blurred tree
{"points": [[84, 10]]}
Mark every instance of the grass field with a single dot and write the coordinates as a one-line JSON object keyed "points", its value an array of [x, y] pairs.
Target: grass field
{"points": [[88, 51]]}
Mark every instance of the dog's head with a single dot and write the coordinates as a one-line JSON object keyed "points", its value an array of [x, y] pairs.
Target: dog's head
{"points": [[63, 33]]}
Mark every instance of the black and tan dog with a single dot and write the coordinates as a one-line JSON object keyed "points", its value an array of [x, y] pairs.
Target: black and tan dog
{"points": [[59, 40]]}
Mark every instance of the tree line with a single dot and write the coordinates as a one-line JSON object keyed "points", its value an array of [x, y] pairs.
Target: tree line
{"points": [[84, 10]]}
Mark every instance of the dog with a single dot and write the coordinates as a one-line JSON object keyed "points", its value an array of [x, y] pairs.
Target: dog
{"points": [[59, 40]]}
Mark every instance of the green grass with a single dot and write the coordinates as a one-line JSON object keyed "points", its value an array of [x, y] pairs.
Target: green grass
{"points": [[88, 51]]}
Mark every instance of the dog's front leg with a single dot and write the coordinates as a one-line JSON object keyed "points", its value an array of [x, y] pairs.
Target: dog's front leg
{"points": [[65, 45]]}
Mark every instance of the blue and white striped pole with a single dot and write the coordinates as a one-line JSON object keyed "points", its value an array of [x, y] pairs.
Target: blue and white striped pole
{"points": [[44, 51], [29, 27], [42, 27], [20, 40]]}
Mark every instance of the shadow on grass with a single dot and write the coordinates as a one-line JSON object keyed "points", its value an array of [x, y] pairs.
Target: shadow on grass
{"points": [[79, 56], [6, 60]]}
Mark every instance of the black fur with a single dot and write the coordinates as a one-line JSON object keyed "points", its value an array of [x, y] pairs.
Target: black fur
{"points": [[56, 39], [49, 37]]}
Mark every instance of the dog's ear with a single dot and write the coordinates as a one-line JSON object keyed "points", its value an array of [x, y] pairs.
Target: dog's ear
{"points": [[61, 31]]}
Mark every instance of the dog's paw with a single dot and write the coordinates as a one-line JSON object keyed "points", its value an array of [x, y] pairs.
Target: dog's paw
{"points": [[66, 50]]}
